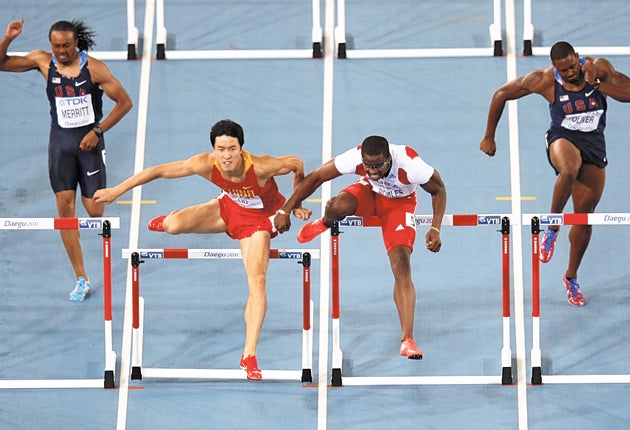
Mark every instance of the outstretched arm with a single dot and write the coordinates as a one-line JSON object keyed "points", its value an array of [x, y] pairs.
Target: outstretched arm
{"points": [[536, 81], [175, 169], [306, 187], [435, 186]]}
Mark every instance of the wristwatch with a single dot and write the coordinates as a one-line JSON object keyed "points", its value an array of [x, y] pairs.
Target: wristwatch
{"points": [[98, 131], [595, 84]]}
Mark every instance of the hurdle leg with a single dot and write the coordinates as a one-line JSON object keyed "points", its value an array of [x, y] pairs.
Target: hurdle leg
{"points": [[136, 354], [337, 353], [110, 355], [307, 320], [536, 357], [506, 353]]}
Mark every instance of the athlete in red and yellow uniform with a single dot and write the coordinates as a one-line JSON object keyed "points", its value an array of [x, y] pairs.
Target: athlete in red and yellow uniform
{"points": [[244, 210]]}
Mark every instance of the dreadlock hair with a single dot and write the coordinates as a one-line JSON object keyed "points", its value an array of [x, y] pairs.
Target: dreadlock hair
{"points": [[82, 33]]}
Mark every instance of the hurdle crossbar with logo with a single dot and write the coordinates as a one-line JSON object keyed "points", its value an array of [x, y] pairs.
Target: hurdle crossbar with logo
{"points": [[137, 256], [106, 225]]}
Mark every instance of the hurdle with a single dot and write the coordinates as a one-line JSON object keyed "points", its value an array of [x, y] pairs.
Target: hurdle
{"points": [[105, 224], [530, 49], [343, 52], [240, 54], [505, 378], [138, 256], [536, 220]]}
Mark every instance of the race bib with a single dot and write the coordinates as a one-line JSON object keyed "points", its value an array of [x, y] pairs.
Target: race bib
{"points": [[587, 121], [251, 202], [74, 112]]}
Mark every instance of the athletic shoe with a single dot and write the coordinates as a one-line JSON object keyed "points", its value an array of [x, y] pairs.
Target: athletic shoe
{"points": [[311, 230], [156, 223], [574, 295], [80, 291], [409, 349], [250, 365], [547, 245]]}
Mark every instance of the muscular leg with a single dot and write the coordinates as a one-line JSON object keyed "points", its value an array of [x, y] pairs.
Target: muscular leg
{"points": [[201, 218], [587, 192], [404, 290], [255, 252], [66, 207], [339, 207], [567, 160]]}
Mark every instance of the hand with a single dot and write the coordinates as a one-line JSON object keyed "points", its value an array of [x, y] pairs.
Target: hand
{"points": [[14, 29], [104, 196], [590, 71], [282, 222], [488, 146], [89, 141], [432, 240], [302, 213]]}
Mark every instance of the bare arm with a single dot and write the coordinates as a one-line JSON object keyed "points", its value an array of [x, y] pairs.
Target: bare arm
{"points": [[538, 81], [613, 83], [113, 89], [17, 63], [174, 169], [435, 186], [311, 182]]}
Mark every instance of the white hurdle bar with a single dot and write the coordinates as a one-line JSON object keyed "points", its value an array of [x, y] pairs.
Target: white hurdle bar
{"points": [[536, 356], [238, 54], [505, 378], [303, 256], [104, 224], [343, 52], [530, 49]]}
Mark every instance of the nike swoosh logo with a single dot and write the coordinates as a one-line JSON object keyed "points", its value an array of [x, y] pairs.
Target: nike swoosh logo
{"points": [[589, 93], [93, 173], [78, 84]]}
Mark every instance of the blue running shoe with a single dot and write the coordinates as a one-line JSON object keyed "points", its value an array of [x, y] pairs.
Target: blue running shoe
{"points": [[574, 295], [80, 291], [547, 245]]}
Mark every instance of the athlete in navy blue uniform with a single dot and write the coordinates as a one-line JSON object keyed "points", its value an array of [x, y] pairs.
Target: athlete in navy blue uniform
{"points": [[576, 89], [75, 86]]}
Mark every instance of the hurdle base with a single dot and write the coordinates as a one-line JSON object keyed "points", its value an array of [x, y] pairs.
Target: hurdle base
{"points": [[336, 378], [506, 376], [161, 51], [136, 373], [341, 51], [317, 50], [498, 48], [109, 379], [307, 375], [131, 52], [536, 376], [527, 48]]}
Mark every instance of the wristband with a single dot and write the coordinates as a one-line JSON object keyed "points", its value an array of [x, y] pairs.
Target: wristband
{"points": [[281, 212], [435, 229]]}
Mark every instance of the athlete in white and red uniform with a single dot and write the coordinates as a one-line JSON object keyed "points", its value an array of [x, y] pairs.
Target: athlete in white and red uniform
{"points": [[248, 201], [390, 176]]}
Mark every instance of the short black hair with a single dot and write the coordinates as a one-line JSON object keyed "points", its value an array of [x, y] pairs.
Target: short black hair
{"points": [[227, 127], [375, 145], [561, 50]]}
